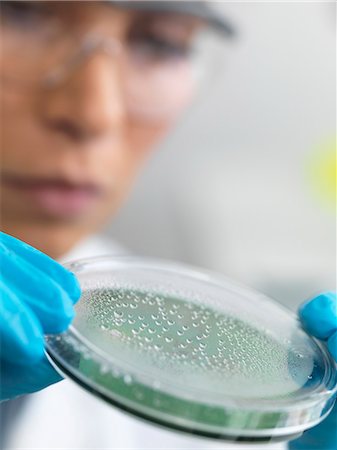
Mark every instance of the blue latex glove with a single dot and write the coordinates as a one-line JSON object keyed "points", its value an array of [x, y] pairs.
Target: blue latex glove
{"points": [[319, 318], [37, 297]]}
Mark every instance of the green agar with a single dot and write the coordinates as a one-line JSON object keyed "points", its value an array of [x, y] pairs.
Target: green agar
{"points": [[182, 354]]}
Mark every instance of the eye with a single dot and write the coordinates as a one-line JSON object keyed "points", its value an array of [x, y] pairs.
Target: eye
{"points": [[160, 37], [24, 15], [159, 48]]}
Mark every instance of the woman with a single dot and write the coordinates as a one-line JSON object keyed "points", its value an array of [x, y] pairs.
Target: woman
{"points": [[88, 89]]}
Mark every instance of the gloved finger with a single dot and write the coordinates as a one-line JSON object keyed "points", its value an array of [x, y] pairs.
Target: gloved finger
{"points": [[319, 315], [21, 333], [332, 345], [47, 299], [43, 262], [18, 379]]}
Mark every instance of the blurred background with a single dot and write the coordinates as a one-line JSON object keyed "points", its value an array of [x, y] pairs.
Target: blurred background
{"points": [[244, 185]]}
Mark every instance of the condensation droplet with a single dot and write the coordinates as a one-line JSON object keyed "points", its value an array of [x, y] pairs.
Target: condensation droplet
{"points": [[127, 379]]}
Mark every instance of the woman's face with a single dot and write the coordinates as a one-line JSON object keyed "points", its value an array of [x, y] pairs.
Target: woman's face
{"points": [[87, 89]]}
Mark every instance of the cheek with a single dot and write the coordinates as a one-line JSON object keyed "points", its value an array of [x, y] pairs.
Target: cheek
{"points": [[18, 131], [143, 138], [140, 142], [123, 167]]}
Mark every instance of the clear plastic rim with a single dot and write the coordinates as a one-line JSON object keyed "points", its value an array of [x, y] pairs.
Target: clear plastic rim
{"points": [[180, 425]]}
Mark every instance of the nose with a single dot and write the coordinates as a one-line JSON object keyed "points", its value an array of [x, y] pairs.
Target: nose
{"points": [[88, 104]]}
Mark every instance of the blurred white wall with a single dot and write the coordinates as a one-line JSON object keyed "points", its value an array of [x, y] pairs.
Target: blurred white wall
{"points": [[230, 189]]}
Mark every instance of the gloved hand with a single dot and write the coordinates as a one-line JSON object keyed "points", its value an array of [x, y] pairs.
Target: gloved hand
{"points": [[319, 318], [37, 297]]}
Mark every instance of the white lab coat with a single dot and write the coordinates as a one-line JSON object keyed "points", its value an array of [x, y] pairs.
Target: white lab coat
{"points": [[66, 417]]}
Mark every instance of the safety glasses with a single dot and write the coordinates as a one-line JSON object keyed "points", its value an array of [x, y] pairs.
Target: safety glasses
{"points": [[155, 58]]}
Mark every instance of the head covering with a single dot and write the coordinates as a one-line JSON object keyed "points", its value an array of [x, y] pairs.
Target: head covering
{"points": [[200, 9]]}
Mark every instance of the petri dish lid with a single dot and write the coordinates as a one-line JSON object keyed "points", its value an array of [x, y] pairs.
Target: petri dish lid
{"points": [[192, 351]]}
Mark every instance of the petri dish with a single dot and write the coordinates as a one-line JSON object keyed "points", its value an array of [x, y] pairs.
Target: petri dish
{"points": [[193, 351]]}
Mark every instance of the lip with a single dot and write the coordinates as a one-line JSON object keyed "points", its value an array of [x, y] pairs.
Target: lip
{"points": [[57, 197]]}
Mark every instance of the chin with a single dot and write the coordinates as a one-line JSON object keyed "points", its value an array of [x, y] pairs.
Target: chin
{"points": [[55, 236], [55, 231]]}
